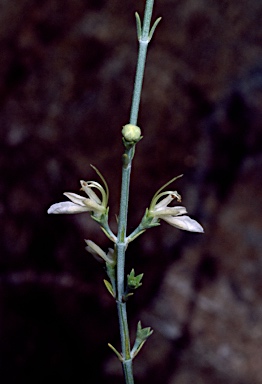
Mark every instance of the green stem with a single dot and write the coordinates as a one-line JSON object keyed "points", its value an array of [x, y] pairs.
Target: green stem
{"points": [[121, 243], [143, 44], [125, 343], [138, 231]]}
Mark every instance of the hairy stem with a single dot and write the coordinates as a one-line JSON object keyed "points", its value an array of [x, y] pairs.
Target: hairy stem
{"points": [[121, 243], [143, 44]]}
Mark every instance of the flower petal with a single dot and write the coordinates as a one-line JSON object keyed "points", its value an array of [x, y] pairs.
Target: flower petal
{"points": [[88, 190], [97, 252], [93, 206], [67, 207], [170, 211], [183, 222], [93, 248], [163, 203], [77, 199], [171, 195]]}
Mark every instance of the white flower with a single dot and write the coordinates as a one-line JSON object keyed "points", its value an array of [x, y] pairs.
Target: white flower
{"points": [[175, 216], [99, 254], [79, 204]]}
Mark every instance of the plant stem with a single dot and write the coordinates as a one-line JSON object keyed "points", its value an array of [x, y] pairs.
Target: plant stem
{"points": [[122, 220], [143, 44]]}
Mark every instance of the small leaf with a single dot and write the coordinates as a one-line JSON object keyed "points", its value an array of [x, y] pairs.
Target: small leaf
{"points": [[138, 26], [133, 282], [109, 288], [152, 30], [131, 238], [111, 273], [127, 295], [110, 237], [116, 352], [142, 334]]}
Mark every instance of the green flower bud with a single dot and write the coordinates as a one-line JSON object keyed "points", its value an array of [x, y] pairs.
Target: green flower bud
{"points": [[131, 133]]}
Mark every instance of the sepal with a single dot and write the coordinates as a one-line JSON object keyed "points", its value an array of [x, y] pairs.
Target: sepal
{"points": [[148, 221], [130, 144], [131, 135]]}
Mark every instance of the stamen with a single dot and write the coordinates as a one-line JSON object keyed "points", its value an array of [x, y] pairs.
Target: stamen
{"points": [[175, 195]]}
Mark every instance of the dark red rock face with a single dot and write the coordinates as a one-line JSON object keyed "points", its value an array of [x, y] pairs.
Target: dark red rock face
{"points": [[66, 76]]}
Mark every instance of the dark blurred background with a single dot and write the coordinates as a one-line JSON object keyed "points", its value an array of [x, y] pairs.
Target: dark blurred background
{"points": [[66, 77]]}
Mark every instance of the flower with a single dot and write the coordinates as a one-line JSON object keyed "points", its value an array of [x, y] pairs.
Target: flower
{"points": [[99, 254], [175, 216], [79, 204], [131, 133]]}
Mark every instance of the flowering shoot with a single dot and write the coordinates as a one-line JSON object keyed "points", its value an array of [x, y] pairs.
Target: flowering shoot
{"points": [[78, 204], [131, 135], [175, 216]]}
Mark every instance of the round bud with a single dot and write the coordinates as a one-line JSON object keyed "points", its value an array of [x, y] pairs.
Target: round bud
{"points": [[131, 133]]}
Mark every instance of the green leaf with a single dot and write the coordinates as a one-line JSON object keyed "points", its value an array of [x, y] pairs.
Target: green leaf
{"points": [[116, 352], [133, 282], [152, 30], [108, 235], [138, 26], [132, 238], [109, 288], [142, 334]]}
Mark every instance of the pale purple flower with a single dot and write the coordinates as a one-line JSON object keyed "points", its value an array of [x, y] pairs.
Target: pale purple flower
{"points": [[175, 216], [78, 204], [99, 254]]}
